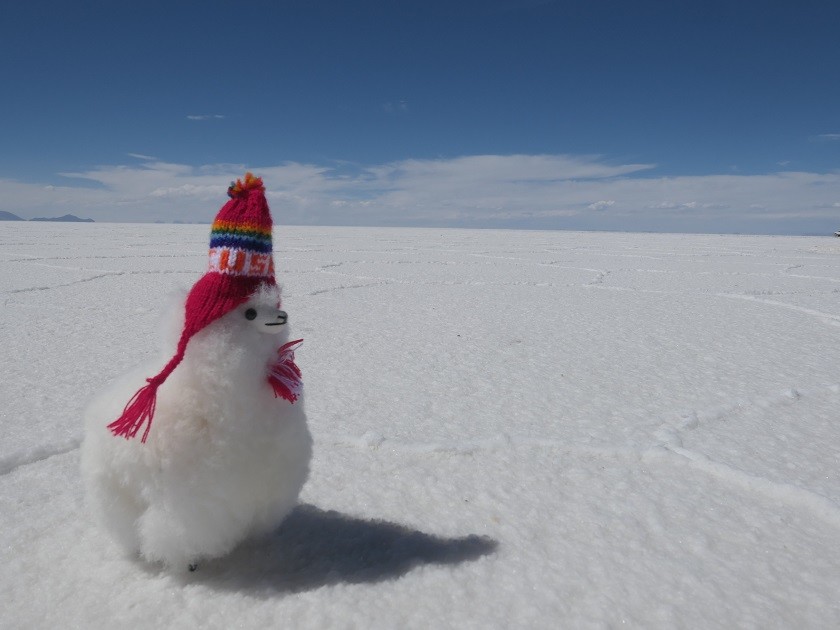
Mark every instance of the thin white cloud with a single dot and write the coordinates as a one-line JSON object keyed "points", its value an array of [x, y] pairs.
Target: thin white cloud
{"points": [[395, 107], [140, 156], [205, 117], [601, 205], [483, 190], [827, 137], [688, 205]]}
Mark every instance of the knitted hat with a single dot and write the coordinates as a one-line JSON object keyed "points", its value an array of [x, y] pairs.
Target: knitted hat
{"points": [[240, 261]]}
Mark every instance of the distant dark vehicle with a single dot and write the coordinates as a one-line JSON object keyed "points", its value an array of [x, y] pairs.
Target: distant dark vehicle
{"points": [[837, 233]]}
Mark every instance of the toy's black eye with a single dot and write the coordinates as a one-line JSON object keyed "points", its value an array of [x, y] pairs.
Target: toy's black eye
{"points": [[251, 314]]}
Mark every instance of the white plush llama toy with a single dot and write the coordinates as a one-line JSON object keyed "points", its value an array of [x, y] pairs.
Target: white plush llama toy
{"points": [[225, 450]]}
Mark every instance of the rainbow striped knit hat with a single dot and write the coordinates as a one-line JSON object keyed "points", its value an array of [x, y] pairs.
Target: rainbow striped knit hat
{"points": [[240, 261]]}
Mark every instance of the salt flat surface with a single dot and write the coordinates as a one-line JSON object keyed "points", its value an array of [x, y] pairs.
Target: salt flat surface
{"points": [[512, 429]]}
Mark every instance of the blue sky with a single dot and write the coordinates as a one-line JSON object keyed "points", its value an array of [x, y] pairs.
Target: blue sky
{"points": [[669, 115]]}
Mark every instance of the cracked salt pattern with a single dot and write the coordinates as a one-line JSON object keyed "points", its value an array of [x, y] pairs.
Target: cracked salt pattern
{"points": [[644, 428]]}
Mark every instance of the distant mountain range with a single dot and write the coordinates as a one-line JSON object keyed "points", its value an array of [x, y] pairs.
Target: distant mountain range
{"points": [[67, 218]]}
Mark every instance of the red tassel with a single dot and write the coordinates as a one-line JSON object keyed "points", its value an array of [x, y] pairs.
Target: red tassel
{"points": [[284, 376], [141, 408], [139, 411]]}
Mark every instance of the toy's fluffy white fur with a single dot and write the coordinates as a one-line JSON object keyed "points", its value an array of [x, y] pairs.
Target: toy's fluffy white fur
{"points": [[224, 460]]}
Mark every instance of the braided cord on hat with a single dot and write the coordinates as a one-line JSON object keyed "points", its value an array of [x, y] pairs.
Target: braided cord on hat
{"points": [[140, 409]]}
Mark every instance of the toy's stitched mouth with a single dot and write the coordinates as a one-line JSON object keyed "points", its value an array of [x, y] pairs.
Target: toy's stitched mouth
{"points": [[282, 318]]}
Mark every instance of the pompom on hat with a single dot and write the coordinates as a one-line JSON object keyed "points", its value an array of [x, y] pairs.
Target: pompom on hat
{"points": [[240, 261]]}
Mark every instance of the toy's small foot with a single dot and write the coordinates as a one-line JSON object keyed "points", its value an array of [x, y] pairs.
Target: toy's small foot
{"points": [[193, 567]]}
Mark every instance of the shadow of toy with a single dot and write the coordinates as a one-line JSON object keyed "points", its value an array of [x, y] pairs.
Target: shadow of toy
{"points": [[314, 548]]}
